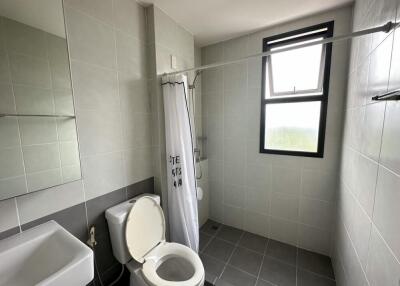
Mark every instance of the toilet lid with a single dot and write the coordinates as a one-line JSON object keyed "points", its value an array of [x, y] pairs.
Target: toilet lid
{"points": [[145, 227]]}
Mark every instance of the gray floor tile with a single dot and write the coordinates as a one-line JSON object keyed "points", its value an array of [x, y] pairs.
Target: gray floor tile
{"points": [[315, 262], [210, 227], [219, 249], [277, 272], [204, 240], [230, 233], [246, 260], [212, 266], [253, 242], [235, 277], [263, 283], [306, 278], [282, 251]]}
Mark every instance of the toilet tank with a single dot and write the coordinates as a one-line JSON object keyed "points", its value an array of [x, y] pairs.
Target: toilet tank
{"points": [[116, 219]]}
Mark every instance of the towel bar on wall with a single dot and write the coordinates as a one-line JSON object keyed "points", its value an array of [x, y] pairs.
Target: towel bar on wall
{"points": [[391, 95]]}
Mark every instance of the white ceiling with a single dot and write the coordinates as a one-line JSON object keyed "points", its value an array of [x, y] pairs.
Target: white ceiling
{"points": [[46, 15], [211, 21]]}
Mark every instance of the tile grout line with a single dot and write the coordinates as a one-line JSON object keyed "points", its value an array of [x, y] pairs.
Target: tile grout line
{"points": [[262, 262], [230, 257]]}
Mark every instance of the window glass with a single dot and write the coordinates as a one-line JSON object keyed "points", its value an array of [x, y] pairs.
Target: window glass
{"points": [[297, 71], [292, 126]]}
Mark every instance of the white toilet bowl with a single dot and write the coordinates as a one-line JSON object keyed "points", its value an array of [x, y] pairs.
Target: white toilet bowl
{"points": [[137, 230]]}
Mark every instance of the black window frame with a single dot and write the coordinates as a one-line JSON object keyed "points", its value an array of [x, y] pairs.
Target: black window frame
{"points": [[323, 98]]}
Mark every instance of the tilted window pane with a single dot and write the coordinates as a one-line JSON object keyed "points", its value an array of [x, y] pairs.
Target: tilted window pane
{"points": [[296, 70]]}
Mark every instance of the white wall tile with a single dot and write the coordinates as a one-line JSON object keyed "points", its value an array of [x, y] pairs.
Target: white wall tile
{"points": [[390, 157], [39, 204], [314, 239], [316, 213], [90, 40], [383, 268], [8, 214], [386, 209]]}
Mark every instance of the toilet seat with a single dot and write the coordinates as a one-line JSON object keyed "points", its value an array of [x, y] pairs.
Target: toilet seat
{"points": [[166, 250], [145, 240]]}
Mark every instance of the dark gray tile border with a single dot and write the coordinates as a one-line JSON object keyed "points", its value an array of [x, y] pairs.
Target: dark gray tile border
{"points": [[306, 278], [146, 186], [263, 283], [96, 209], [314, 262], [72, 219], [9, 232], [282, 251]]}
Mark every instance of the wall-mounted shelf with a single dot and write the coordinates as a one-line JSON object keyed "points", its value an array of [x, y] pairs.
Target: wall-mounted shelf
{"points": [[36, 115], [391, 95]]}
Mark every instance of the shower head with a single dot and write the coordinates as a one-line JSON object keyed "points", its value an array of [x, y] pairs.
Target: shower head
{"points": [[192, 86]]}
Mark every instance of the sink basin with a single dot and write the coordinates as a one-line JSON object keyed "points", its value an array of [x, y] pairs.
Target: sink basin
{"points": [[45, 255]]}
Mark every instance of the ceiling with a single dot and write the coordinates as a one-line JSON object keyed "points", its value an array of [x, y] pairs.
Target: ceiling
{"points": [[212, 21], [46, 15]]}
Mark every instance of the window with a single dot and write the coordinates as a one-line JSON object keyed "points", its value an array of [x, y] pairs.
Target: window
{"points": [[295, 93]]}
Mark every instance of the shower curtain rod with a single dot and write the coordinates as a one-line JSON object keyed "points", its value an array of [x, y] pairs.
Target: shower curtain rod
{"points": [[384, 28]]}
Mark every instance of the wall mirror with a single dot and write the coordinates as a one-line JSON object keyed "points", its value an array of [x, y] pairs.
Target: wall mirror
{"points": [[38, 141]]}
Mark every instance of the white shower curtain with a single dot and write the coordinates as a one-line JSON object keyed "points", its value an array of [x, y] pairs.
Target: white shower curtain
{"points": [[182, 202]]}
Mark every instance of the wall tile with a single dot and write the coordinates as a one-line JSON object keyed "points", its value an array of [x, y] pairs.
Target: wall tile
{"points": [[372, 130], [283, 230], [391, 133], [130, 18], [12, 187], [383, 268], [102, 9], [99, 132], [15, 166], [256, 223], [366, 174], [9, 132], [39, 204], [41, 157], [102, 174], [89, 40], [37, 130], [8, 214], [394, 81], [5, 76], [73, 219], [289, 186], [131, 56], [94, 87], [33, 100], [284, 206], [314, 239], [318, 185], [316, 213], [233, 216], [23, 39], [360, 231], [6, 99], [234, 195], [43, 179], [30, 71], [257, 200], [386, 210]]}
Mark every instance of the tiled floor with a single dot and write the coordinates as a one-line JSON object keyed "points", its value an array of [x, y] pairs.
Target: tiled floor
{"points": [[232, 257]]}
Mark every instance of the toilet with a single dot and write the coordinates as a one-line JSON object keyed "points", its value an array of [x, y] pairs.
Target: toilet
{"points": [[137, 231]]}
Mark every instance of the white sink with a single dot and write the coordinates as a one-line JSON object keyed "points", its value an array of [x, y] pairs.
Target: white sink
{"points": [[45, 255]]}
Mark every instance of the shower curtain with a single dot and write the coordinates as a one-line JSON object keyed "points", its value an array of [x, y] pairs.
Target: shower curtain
{"points": [[182, 201]]}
